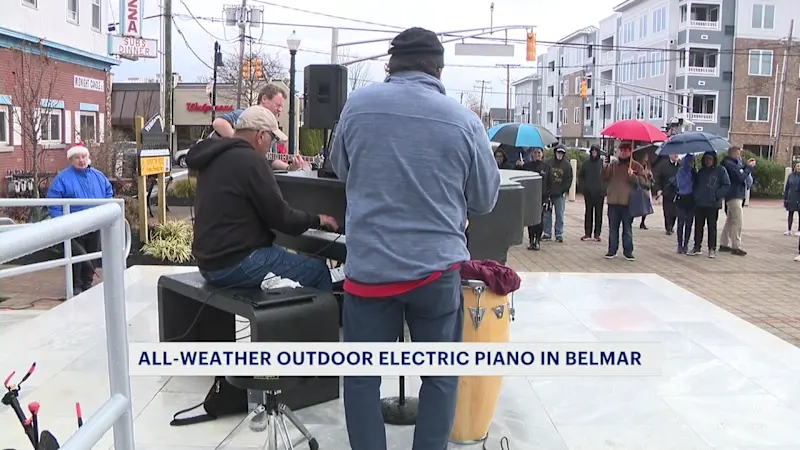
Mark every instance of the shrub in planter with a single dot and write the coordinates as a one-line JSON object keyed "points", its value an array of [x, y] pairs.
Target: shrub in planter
{"points": [[171, 242], [182, 192]]}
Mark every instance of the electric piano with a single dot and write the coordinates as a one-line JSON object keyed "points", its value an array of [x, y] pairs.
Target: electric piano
{"points": [[519, 204]]}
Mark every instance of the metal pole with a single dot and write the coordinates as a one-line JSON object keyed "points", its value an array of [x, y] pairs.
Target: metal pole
{"points": [[161, 61], [782, 95], [334, 46], [483, 86], [508, 93], [112, 241], [69, 282], [292, 101], [604, 120], [214, 85], [491, 16], [242, 35], [167, 78]]}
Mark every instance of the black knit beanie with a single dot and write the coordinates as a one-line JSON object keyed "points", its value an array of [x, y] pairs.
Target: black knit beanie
{"points": [[418, 42]]}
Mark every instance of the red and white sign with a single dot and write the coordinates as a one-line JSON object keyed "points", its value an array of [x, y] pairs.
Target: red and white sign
{"points": [[131, 17], [130, 47], [205, 108]]}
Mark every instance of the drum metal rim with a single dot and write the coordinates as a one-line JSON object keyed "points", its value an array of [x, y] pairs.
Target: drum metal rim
{"points": [[473, 283]]}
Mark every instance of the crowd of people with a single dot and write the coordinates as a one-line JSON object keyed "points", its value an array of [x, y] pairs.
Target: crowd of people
{"points": [[692, 190]]}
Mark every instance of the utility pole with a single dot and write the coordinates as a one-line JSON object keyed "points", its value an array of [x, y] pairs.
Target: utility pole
{"points": [[782, 94], [462, 97], [167, 78], [334, 46], [508, 88], [242, 37], [481, 84]]}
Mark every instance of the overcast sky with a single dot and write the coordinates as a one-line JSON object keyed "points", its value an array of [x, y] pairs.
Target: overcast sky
{"points": [[553, 20]]}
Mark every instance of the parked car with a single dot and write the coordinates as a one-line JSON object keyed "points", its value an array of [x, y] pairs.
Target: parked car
{"points": [[180, 157]]}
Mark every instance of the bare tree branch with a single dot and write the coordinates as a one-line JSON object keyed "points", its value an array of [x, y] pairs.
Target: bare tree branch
{"points": [[472, 103], [358, 74], [33, 90], [231, 71]]}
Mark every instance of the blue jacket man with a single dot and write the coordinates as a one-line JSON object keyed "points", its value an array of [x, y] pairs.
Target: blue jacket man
{"points": [[81, 182], [406, 221], [711, 186], [741, 176]]}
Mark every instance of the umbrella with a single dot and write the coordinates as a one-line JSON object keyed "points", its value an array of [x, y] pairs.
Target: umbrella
{"points": [[693, 142], [650, 151], [634, 130], [522, 135]]}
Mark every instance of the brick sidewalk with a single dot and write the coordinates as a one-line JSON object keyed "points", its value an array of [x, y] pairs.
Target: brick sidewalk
{"points": [[756, 287]]}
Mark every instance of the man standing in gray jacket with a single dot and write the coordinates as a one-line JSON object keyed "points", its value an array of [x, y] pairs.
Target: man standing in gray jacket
{"points": [[406, 219]]}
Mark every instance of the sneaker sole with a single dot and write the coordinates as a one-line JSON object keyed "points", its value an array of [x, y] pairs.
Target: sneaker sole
{"points": [[631, 258], [610, 256]]}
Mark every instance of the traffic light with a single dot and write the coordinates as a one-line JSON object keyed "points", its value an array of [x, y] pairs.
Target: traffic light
{"points": [[530, 47], [584, 90], [257, 66], [246, 69]]}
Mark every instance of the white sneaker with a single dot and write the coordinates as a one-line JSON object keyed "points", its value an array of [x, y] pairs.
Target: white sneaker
{"points": [[787, 233], [797, 259], [797, 234]]}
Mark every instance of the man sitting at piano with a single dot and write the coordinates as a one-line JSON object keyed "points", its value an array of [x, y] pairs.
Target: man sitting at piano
{"points": [[270, 97], [238, 205], [406, 218]]}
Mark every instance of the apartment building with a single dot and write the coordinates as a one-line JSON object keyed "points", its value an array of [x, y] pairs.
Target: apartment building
{"points": [[577, 63], [606, 89], [72, 82], [528, 99], [761, 33]]}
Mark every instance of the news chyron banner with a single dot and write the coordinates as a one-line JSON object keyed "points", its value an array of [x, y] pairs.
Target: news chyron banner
{"points": [[395, 359]]}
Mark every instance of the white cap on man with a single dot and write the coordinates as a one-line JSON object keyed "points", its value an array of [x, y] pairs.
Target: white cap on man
{"points": [[259, 118], [77, 149]]}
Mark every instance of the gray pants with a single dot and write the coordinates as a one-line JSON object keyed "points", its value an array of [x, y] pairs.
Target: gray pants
{"points": [[433, 313]]}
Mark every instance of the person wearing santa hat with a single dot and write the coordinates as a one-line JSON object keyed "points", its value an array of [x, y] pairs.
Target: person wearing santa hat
{"points": [[79, 180]]}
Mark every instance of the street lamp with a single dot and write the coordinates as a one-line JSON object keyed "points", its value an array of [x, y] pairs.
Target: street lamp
{"points": [[293, 42]]}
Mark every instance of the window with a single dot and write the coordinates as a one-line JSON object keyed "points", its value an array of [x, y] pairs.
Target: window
{"points": [[760, 64], [643, 27], [639, 108], [564, 88], [72, 11], [763, 17], [577, 85], [51, 126], [625, 109], [628, 33], [96, 15], [549, 117], [88, 127], [657, 107], [641, 67], [587, 112], [563, 119], [796, 115], [757, 109], [660, 19], [656, 64], [5, 126], [33, 3], [628, 71], [576, 117]]}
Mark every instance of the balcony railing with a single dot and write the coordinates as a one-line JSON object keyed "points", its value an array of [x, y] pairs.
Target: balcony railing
{"points": [[704, 117], [695, 70], [110, 220], [700, 25]]}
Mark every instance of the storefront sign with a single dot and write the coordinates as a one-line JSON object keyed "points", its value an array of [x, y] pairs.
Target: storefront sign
{"points": [[205, 108], [130, 17], [154, 165], [88, 84], [132, 47]]}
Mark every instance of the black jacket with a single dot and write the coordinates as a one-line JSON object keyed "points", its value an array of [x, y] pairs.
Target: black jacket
{"points": [[590, 176], [738, 175], [711, 185], [238, 203], [560, 177], [543, 169], [664, 178]]}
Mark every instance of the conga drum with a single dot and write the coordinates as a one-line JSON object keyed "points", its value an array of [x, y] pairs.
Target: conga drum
{"points": [[486, 319]]}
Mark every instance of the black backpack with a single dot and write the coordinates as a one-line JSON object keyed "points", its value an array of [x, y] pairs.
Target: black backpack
{"points": [[223, 399]]}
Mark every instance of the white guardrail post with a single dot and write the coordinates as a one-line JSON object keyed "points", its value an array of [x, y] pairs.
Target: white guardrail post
{"points": [[109, 219]]}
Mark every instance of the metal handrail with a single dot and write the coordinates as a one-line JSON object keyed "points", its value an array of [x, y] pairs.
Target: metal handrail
{"points": [[68, 260], [109, 219]]}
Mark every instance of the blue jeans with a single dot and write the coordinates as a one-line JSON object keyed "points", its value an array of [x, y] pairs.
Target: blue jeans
{"points": [[619, 215], [685, 221], [307, 270], [559, 206], [433, 313]]}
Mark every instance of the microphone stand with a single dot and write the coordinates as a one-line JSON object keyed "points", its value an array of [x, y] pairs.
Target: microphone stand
{"points": [[400, 410]]}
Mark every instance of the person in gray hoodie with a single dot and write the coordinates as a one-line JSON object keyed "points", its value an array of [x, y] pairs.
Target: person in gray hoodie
{"points": [[406, 218]]}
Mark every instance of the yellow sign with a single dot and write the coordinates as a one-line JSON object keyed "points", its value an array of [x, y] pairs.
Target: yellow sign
{"points": [[153, 165]]}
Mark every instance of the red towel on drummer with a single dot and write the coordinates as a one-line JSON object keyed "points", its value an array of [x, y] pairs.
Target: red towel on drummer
{"points": [[500, 279]]}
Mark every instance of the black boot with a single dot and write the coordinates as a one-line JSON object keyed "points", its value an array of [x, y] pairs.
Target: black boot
{"points": [[532, 244]]}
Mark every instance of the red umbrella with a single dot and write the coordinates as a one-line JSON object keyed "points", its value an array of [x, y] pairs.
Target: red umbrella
{"points": [[634, 130]]}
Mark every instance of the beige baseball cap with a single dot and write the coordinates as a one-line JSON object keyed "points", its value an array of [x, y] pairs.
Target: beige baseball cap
{"points": [[260, 119]]}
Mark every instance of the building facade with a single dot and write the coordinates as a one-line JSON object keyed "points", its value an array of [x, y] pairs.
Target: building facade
{"points": [[759, 106], [576, 63], [54, 89], [528, 99]]}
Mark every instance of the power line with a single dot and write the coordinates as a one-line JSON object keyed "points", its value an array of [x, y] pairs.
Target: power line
{"points": [[189, 47], [329, 16]]}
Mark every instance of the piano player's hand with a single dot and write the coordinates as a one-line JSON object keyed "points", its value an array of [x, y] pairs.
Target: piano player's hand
{"points": [[328, 223]]}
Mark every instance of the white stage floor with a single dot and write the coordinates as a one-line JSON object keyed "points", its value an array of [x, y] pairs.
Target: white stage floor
{"points": [[726, 384]]}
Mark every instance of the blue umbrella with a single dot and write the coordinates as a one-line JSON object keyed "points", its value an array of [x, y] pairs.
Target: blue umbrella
{"points": [[521, 135], [693, 142]]}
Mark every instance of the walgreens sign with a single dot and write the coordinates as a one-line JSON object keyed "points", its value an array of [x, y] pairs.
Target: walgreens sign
{"points": [[131, 17]]}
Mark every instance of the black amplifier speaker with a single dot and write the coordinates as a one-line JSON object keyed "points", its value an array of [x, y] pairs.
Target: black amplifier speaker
{"points": [[324, 94]]}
